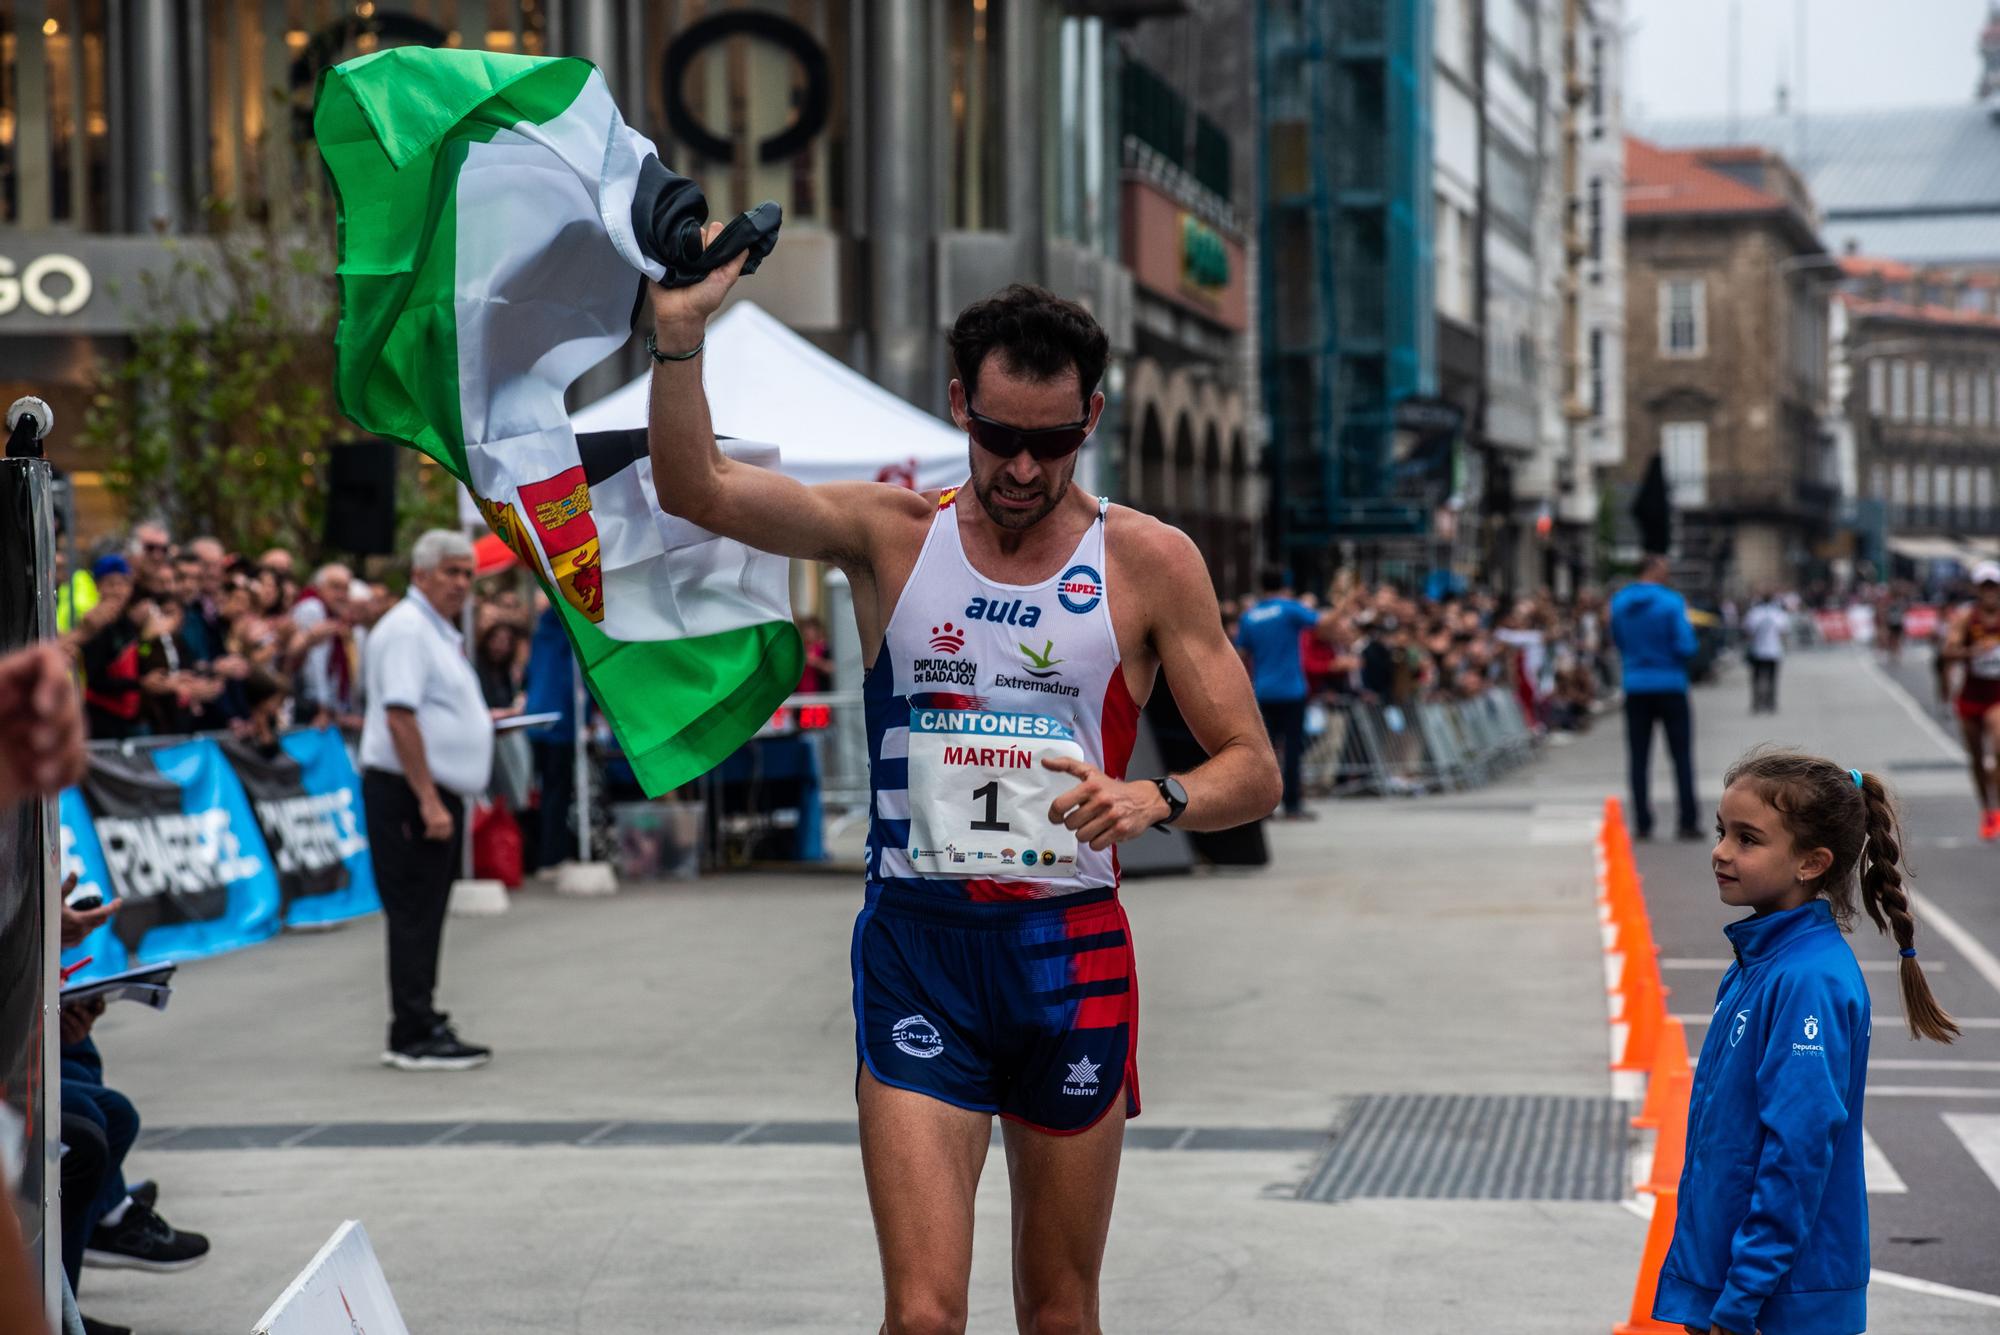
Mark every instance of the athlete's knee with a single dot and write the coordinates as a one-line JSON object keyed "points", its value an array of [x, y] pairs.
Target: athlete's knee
{"points": [[1074, 1315], [920, 1313]]}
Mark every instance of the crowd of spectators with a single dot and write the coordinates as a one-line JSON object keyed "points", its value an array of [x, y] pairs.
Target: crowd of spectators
{"points": [[1385, 646]]}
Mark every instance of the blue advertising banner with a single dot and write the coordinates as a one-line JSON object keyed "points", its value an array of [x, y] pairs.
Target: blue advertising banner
{"points": [[332, 828], [84, 856], [210, 847]]}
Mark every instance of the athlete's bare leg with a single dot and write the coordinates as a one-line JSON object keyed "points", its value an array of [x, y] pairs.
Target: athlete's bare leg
{"points": [[1975, 731], [1062, 1188], [922, 1159]]}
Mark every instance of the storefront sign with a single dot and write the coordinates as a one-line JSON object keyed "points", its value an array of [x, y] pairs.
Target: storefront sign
{"points": [[47, 285]]}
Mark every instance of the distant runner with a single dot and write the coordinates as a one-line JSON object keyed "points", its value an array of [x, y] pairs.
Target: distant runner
{"points": [[1973, 643]]}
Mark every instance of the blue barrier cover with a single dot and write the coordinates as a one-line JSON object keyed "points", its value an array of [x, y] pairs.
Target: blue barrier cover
{"points": [[328, 774], [173, 836]]}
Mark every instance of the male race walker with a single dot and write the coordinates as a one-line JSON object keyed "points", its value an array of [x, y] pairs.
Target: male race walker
{"points": [[1012, 629]]}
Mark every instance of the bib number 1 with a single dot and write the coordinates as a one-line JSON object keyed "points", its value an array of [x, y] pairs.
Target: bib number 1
{"points": [[980, 795], [990, 795]]}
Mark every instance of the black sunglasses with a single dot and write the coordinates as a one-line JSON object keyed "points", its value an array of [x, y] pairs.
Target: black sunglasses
{"points": [[1046, 443]]}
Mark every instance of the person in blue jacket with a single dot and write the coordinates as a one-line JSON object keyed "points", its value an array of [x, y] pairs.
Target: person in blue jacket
{"points": [[1649, 623], [1771, 1235]]}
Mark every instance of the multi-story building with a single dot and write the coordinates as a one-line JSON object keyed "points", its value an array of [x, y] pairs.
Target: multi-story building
{"points": [[1347, 324], [925, 152], [1524, 431], [1458, 134], [1922, 406], [1593, 315], [1193, 453], [1726, 355], [1601, 178]]}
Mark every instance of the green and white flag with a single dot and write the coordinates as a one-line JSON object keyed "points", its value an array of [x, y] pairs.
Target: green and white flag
{"points": [[488, 259]]}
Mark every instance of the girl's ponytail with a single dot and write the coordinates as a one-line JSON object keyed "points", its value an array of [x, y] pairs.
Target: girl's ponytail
{"points": [[1888, 905]]}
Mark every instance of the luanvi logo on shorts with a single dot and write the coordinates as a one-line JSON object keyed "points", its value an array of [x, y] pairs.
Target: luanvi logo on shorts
{"points": [[917, 1036], [1082, 1078]]}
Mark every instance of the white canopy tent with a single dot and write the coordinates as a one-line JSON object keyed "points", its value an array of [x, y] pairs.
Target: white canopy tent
{"points": [[829, 422]]}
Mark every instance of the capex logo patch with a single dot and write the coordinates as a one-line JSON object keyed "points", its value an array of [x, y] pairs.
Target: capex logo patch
{"points": [[1080, 589]]}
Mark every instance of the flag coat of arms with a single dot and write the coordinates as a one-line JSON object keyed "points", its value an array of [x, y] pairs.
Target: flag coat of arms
{"points": [[488, 258]]}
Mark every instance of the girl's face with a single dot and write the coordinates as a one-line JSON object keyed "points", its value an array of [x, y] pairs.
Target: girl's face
{"points": [[1756, 866]]}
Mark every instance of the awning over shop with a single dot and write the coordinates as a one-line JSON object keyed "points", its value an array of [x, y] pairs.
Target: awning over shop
{"points": [[1935, 549]]}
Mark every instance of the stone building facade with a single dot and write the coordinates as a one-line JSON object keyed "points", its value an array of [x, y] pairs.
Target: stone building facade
{"points": [[1726, 356]]}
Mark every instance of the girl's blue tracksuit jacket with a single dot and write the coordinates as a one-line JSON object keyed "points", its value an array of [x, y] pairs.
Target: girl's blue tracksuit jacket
{"points": [[1772, 1233]]}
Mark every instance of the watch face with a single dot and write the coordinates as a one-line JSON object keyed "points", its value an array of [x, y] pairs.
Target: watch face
{"points": [[1175, 793]]}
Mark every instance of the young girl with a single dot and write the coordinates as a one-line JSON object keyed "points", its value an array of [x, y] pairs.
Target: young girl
{"points": [[1772, 1233]]}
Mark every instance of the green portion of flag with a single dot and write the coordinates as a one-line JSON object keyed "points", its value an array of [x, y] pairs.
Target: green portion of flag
{"points": [[394, 129]]}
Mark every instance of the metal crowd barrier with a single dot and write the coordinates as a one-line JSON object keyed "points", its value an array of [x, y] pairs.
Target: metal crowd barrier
{"points": [[1434, 746]]}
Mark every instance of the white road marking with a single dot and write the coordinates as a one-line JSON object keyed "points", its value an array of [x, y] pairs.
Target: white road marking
{"points": [[1867, 966], [1932, 1289], [1958, 938], [1929, 726], [1980, 1134], [1930, 1064], [1883, 1179], [1930, 1092]]}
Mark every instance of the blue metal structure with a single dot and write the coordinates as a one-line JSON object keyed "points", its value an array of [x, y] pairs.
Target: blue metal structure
{"points": [[1347, 317]]}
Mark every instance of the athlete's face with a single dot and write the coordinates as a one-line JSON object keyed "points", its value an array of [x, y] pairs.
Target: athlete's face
{"points": [[1989, 597], [1755, 862], [1019, 492]]}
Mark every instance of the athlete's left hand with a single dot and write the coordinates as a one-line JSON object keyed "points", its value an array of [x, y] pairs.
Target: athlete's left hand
{"points": [[1102, 810]]}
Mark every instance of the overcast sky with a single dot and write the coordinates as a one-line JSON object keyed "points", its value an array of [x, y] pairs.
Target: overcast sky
{"points": [[1858, 53]]}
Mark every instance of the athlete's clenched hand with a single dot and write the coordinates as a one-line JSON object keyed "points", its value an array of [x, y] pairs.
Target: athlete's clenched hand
{"points": [[1102, 810], [681, 312]]}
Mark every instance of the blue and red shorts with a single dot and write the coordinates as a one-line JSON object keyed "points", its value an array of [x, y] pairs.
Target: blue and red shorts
{"points": [[1028, 1009]]}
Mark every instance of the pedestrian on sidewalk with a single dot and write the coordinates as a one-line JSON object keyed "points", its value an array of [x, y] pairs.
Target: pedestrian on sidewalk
{"points": [[1268, 634], [1764, 649], [1771, 1232], [426, 746], [1655, 639]]}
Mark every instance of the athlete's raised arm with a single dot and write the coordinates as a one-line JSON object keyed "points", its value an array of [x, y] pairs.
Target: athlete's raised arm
{"points": [[760, 507]]}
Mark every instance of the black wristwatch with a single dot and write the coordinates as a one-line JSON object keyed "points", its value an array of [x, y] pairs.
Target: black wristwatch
{"points": [[1177, 799]]}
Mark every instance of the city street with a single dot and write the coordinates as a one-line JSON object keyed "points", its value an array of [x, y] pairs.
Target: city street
{"points": [[665, 1140]]}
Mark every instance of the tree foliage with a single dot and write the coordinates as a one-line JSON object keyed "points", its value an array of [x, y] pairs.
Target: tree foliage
{"points": [[221, 418]]}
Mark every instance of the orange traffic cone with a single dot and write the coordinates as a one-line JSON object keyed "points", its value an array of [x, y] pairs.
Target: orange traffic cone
{"points": [[1672, 1061], [1670, 1145], [1659, 1237], [1645, 1013]]}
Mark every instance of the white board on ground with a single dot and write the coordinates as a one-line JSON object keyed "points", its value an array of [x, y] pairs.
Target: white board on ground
{"points": [[342, 1292]]}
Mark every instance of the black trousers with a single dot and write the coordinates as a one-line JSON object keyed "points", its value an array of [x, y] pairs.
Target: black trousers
{"points": [[85, 1160], [1764, 685], [555, 774], [1285, 720], [414, 876], [1642, 711]]}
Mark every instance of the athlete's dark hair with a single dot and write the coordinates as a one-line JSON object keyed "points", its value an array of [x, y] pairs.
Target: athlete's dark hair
{"points": [[1823, 808], [1040, 334], [1271, 579]]}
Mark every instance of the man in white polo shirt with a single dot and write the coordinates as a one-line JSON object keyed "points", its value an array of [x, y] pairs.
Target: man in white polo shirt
{"points": [[426, 745]]}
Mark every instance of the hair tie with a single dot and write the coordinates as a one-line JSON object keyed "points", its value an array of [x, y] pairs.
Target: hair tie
{"points": [[1909, 952], [1857, 777]]}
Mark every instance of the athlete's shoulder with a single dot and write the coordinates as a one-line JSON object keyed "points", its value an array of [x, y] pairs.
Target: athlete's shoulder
{"points": [[1157, 559]]}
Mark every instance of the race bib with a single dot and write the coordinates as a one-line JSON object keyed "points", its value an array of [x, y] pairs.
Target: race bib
{"points": [[979, 796], [1986, 663]]}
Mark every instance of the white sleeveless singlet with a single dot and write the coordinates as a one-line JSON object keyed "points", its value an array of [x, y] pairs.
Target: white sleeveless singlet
{"points": [[976, 682]]}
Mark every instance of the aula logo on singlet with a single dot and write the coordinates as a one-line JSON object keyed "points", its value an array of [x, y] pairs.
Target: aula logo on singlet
{"points": [[1004, 612]]}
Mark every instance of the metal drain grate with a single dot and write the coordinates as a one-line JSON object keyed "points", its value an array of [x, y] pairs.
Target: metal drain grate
{"points": [[1467, 1147]]}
